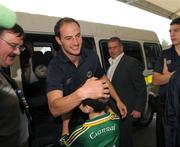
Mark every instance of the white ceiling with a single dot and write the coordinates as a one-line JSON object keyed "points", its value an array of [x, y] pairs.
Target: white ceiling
{"points": [[166, 8]]}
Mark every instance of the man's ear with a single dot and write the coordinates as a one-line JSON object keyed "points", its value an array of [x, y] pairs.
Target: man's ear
{"points": [[58, 40]]}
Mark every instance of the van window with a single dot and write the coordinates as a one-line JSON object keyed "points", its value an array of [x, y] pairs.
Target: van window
{"points": [[89, 43], [33, 76], [42, 47], [131, 48], [152, 51]]}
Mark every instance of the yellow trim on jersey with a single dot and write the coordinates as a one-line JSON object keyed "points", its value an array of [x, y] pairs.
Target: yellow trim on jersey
{"points": [[100, 121], [86, 126], [75, 134]]}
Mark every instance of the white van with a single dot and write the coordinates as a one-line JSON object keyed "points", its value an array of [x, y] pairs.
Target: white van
{"points": [[141, 44]]}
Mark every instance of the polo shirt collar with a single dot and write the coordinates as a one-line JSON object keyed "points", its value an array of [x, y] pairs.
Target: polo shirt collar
{"points": [[65, 59]]}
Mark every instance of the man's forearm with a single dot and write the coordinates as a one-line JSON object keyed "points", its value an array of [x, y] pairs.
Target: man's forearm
{"points": [[121, 106], [59, 105], [161, 79], [113, 93], [92, 88]]}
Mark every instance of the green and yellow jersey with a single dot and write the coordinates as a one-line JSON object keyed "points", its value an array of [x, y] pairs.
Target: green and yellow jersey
{"points": [[101, 131]]}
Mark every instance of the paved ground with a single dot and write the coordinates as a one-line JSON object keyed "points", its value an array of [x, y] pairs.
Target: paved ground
{"points": [[146, 137]]}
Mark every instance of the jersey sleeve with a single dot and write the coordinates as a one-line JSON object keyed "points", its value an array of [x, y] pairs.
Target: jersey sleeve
{"points": [[63, 139]]}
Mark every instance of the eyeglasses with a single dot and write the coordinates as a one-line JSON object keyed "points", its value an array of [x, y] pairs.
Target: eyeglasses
{"points": [[13, 45]]}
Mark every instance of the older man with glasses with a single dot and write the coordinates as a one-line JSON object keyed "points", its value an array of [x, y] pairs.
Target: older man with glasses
{"points": [[13, 121], [14, 45]]}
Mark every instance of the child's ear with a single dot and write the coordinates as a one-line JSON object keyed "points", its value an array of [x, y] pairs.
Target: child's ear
{"points": [[84, 109], [88, 109]]}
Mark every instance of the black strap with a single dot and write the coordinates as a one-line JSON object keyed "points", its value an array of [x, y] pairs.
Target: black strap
{"points": [[22, 100]]}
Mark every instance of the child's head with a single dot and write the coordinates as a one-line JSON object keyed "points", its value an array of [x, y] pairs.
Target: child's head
{"points": [[96, 105]]}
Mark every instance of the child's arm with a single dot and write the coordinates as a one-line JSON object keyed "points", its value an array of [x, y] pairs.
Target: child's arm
{"points": [[65, 128]]}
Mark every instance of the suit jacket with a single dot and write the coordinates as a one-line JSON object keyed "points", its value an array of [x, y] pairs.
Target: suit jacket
{"points": [[129, 83]]}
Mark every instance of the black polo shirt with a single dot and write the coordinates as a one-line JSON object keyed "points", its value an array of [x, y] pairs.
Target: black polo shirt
{"points": [[173, 63], [64, 75]]}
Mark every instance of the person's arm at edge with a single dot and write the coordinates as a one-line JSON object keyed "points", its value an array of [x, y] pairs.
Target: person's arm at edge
{"points": [[121, 106], [162, 78], [65, 125], [65, 128]]}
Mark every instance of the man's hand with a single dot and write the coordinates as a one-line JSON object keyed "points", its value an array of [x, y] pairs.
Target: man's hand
{"points": [[94, 88], [122, 108], [166, 71], [135, 114]]}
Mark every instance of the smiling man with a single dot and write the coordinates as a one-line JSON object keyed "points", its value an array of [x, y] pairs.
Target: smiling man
{"points": [[75, 74]]}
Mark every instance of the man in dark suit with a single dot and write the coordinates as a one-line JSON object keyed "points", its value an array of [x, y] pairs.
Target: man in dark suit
{"points": [[125, 73]]}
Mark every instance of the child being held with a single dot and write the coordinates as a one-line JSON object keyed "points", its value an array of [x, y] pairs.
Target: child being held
{"points": [[102, 129]]}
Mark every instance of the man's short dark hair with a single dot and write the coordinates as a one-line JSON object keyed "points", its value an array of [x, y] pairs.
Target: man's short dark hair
{"points": [[16, 29], [175, 21], [112, 39], [61, 22], [97, 104]]}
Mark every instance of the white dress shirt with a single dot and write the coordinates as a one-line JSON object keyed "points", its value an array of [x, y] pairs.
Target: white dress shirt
{"points": [[113, 64]]}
